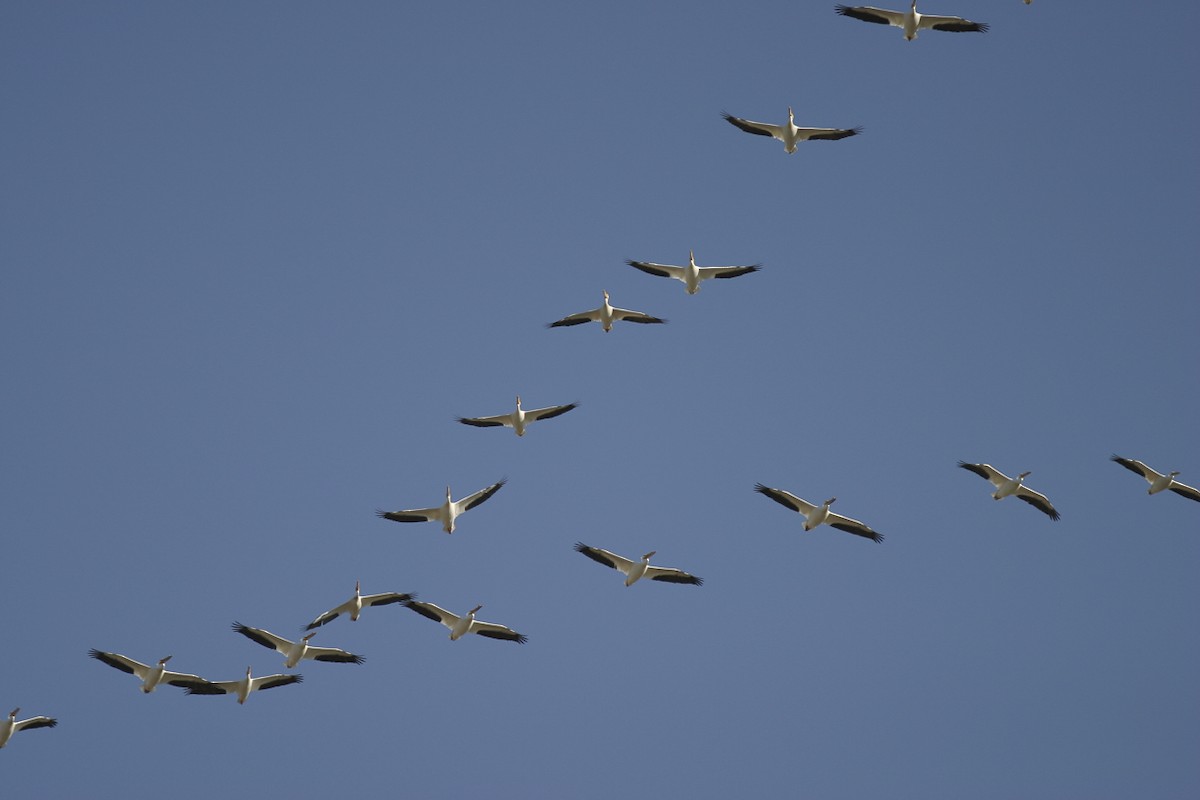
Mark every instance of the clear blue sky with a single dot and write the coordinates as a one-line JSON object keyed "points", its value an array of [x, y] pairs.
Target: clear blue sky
{"points": [[258, 256]]}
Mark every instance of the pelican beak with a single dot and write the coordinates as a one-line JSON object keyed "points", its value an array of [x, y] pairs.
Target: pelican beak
{"points": [[649, 555], [13, 714], [306, 638], [357, 589], [165, 660], [475, 610], [831, 501]]}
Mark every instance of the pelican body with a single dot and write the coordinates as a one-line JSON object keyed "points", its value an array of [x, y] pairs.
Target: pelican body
{"points": [[11, 726], [356, 604], [461, 626], [790, 134], [295, 652], [911, 21], [243, 687], [447, 512], [1158, 481], [634, 571], [606, 315], [692, 275], [151, 676], [815, 515], [1012, 487], [519, 419]]}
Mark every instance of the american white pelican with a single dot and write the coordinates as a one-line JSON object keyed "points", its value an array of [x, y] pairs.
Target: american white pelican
{"points": [[691, 275], [447, 512], [606, 315], [150, 676], [295, 652], [1006, 486], [815, 515], [356, 604], [518, 419], [243, 687], [911, 22], [789, 134], [1158, 482], [634, 571], [11, 726], [461, 626]]}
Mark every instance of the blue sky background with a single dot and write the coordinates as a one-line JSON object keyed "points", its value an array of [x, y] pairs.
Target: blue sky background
{"points": [[258, 257]]}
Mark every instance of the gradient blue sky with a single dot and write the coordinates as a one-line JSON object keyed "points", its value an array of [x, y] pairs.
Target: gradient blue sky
{"points": [[258, 256]]}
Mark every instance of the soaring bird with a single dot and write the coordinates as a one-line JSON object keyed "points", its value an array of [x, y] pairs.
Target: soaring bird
{"points": [[634, 571], [790, 134], [815, 515], [295, 652], [10, 726], [356, 604], [518, 419], [244, 686], [691, 276], [911, 22], [447, 512], [461, 626], [1158, 482], [606, 315], [150, 676], [1006, 486]]}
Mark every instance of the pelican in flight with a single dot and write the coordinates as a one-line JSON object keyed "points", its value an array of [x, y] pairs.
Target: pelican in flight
{"points": [[461, 626], [243, 687], [447, 512], [150, 676], [1158, 482], [11, 725], [518, 419], [295, 652], [634, 571], [789, 134], [691, 275], [356, 604], [815, 515], [606, 315], [1006, 486], [912, 22]]}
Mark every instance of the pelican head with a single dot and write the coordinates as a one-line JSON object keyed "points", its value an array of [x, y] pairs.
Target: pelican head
{"points": [[357, 588], [692, 257], [306, 638], [13, 714], [830, 501], [605, 295], [1024, 475], [1172, 474], [649, 555], [247, 672], [447, 494], [163, 661], [518, 401], [474, 610]]}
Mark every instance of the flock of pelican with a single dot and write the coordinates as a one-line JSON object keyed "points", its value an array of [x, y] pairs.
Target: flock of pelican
{"points": [[151, 676]]}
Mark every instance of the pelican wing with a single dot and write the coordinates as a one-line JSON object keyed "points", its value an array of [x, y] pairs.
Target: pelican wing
{"points": [[852, 526], [550, 411], [1134, 465], [265, 638], [487, 422], [118, 661], [470, 501], [952, 24], [181, 679], [332, 614], [880, 16], [35, 722], [1038, 501], [636, 316], [605, 557], [430, 611], [727, 272], [334, 655], [271, 681], [986, 471], [671, 575], [759, 128], [493, 631], [386, 598], [212, 687], [1189, 492], [827, 134], [661, 270], [577, 319], [411, 515], [785, 499]]}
